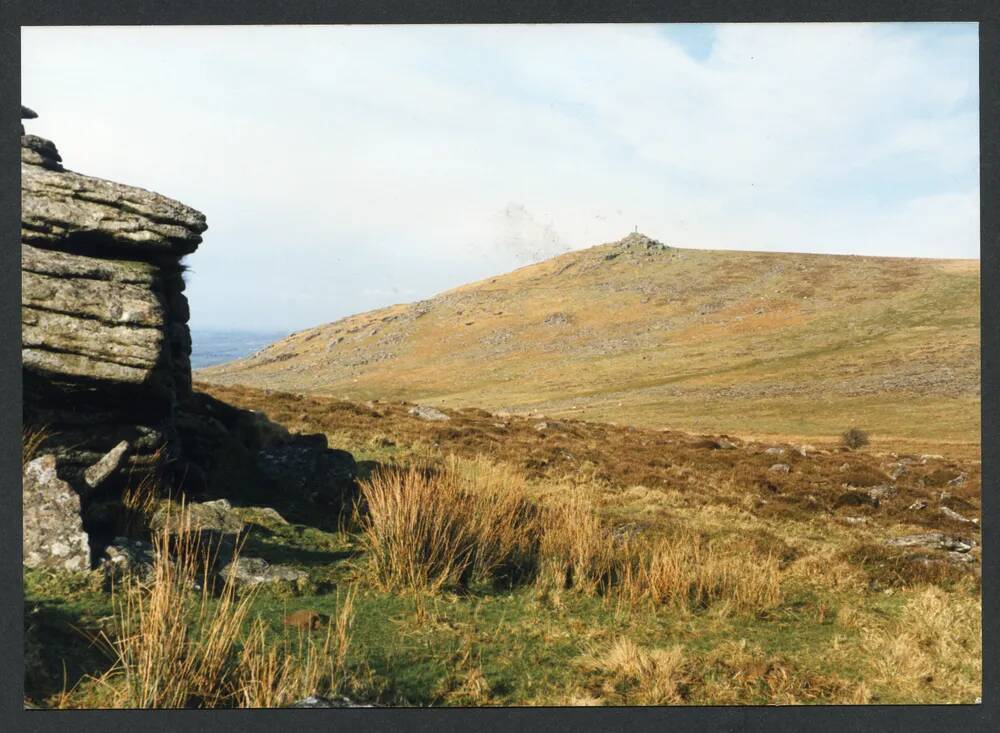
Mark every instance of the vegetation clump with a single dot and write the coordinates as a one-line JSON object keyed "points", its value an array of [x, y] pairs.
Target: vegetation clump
{"points": [[854, 438], [174, 644]]}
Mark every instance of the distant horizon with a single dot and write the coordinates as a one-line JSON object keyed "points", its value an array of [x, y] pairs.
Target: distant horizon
{"points": [[348, 168]]}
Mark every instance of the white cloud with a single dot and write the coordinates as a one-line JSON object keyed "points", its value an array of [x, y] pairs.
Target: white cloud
{"points": [[341, 163]]}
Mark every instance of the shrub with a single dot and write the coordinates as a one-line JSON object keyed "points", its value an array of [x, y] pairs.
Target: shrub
{"points": [[854, 438]]}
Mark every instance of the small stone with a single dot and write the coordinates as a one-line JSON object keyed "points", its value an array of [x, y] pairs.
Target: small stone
{"points": [[917, 505], [428, 413], [805, 450], [775, 451], [780, 468]]}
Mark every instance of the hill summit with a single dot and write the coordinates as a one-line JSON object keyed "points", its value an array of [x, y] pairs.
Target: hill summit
{"points": [[642, 333]]}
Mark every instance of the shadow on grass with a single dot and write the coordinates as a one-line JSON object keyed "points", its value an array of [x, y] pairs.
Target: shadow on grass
{"points": [[64, 650]]}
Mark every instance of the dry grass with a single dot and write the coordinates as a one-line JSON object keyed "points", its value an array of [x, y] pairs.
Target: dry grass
{"points": [[932, 650], [472, 521], [682, 569], [641, 676], [141, 497], [175, 645], [435, 528], [735, 672], [32, 440], [276, 675]]}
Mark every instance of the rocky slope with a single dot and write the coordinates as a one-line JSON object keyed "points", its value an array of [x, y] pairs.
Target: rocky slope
{"points": [[641, 333]]}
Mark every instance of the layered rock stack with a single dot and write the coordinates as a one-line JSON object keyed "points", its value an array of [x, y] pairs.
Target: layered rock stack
{"points": [[105, 342]]}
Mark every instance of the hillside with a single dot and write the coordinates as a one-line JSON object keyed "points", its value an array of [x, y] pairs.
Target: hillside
{"points": [[640, 333]]}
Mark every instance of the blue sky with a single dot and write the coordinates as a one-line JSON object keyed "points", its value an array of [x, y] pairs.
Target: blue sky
{"points": [[346, 168]]}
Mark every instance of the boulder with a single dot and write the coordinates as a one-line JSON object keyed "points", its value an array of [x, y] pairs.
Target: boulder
{"points": [[214, 526], [252, 572], [53, 530]]}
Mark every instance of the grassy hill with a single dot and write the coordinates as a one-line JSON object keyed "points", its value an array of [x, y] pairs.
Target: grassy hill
{"points": [[640, 333]]}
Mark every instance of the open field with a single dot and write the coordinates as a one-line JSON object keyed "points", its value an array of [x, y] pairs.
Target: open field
{"points": [[692, 571], [747, 343]]}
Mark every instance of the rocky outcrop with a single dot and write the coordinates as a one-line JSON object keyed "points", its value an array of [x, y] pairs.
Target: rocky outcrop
{"points": [[105, 343]]}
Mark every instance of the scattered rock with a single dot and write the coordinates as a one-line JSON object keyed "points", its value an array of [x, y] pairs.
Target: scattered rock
{"points": [[128, 558], [340, 701], [725, 444], [917, 505], [855, 520], [935, 540], [879, 493], [895, 470], [100, 471], [780, 468], [952, 514], [53, 530], [425, 412], [250, 572], [806, 450], [775, 451]]}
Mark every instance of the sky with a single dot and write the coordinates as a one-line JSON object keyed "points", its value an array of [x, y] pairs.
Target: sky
{"points": [[345, 168]]}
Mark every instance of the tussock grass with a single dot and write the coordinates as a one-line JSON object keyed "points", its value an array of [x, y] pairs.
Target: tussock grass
{"points": [[472, 521], [435, 528], [175, 645], [640, 676]]}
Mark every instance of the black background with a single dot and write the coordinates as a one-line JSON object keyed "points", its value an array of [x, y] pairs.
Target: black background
{"points": [[911, 719]]}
